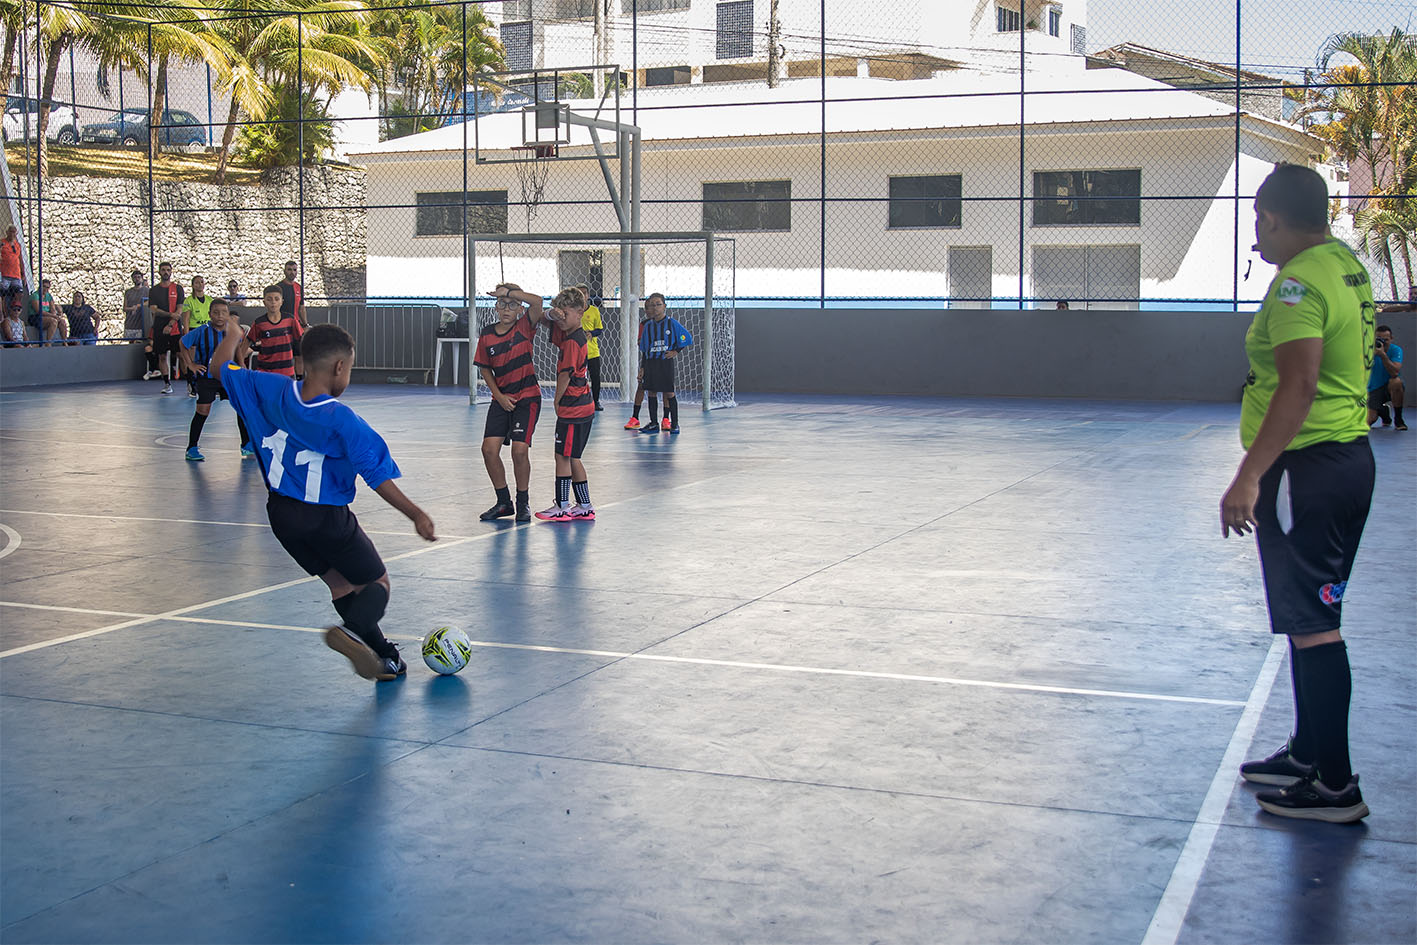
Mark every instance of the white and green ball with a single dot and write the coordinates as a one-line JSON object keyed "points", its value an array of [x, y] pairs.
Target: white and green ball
{"points": [[446, 650]]}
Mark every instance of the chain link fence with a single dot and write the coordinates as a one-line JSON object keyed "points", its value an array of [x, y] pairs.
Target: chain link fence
{"points": [[1001, 154]]}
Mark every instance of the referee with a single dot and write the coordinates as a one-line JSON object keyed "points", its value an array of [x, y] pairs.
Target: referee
{"points": [[1306, 482]]}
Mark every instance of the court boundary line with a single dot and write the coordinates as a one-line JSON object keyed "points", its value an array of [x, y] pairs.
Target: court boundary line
{"points": [[187, 521], [1175, 903]]}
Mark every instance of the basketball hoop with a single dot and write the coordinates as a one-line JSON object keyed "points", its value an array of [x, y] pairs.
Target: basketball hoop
{"points": [[533, 163]]}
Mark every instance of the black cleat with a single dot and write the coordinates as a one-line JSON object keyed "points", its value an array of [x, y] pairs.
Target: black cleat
{"points": [[1310, 799], [500, 510], [1279, 768], [523, 512]]}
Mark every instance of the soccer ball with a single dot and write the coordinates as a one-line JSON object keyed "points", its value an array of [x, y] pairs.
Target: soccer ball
{"points": [[446, 650]]}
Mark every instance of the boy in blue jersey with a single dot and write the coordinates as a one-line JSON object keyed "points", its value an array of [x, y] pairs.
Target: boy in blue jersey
{"points": [[198, 347], [661, 340], [310, 448]]}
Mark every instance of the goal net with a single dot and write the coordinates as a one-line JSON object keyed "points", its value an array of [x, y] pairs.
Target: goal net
{"points": [[694, 272]]}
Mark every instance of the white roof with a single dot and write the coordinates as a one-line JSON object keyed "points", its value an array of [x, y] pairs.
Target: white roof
{"points": [[977, 99]]}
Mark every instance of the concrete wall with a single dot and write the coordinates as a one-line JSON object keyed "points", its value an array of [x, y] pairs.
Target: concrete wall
{"points": [[28, 367], [1093, 355]]}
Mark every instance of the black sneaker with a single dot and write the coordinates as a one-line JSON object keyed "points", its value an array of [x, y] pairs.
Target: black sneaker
{"points": [[1279, 768], [500, 510], [523, 512], [391, 667], [1310, 799]]}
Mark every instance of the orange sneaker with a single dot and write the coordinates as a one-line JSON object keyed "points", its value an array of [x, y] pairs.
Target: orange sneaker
{"points": [[634, 424], [665, 425]]}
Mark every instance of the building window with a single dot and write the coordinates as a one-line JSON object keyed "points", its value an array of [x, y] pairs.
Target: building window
{"points": [[971, 274], [1081, 198], [735, 30], [1098, 276], [1006, 20], [1079, 40], [440, 213], [925, 201], [748, 206], [668, 75], [573, 9], [629, 7], [1055, 21], [516, 10], [516, 45]]}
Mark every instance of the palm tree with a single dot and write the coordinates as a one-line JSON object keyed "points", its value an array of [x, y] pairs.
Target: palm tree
{"points": [[423, 78], [59, 26], [12, 15], [1380, 228]]}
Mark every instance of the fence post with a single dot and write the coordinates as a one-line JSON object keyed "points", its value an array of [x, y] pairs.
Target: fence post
{"points": [[300, 142], [152, 202], [708, 322]]}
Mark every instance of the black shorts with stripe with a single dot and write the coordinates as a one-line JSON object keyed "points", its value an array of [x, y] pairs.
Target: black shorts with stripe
{"points": [[571, 437], [515, 425], [1312, 507], [321, 537]]}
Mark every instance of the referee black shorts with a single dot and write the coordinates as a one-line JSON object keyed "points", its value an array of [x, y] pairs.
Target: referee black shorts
{"points": [[1312, 507], [659, 375], [321, 537]]}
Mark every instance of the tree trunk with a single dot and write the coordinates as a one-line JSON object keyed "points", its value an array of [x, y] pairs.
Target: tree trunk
{"points": [[1387, 262], [51, 72], [7, 68], [159, 107], [226, 138]]}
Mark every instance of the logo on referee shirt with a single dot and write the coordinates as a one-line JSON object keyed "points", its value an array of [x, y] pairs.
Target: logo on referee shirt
{"points": [[1291, 292], [1333, 593]]}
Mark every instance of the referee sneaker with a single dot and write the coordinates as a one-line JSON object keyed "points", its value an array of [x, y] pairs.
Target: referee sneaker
{"points": [[1306, 482]]}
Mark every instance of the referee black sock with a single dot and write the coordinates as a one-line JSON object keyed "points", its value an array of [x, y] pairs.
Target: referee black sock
{"points": [[1301, 747], [1327, 685], [582, 492], [362, 611], [504, 496], [194, 432], [563, 491], [671, 409]]}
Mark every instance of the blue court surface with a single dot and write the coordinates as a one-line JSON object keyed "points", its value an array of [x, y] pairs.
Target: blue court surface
{"points": [[824, 670]]}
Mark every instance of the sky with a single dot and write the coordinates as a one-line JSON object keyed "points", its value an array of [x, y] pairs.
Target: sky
{"points": [[1278, 37]]}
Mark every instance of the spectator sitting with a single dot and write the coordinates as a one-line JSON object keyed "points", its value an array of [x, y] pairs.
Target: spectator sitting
{"points": [[234, 296], [12, 331], [45, 317], [83, 321], [1061, 306]]}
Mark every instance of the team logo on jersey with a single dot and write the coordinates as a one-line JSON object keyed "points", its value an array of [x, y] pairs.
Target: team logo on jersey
{"points": [[1291, 292], [1333, 593]]}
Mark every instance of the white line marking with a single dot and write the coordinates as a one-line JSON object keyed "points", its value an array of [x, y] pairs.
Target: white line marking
{"points": [[12, 544], [1175, 902], [70, 610], [190, 521]]}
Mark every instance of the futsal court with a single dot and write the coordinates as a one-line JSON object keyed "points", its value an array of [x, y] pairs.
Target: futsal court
{"points": [[823, 670]]}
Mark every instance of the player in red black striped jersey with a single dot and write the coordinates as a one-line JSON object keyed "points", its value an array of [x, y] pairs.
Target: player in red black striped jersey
{"points": [[575, 409], [504, 357], [274, 337]]}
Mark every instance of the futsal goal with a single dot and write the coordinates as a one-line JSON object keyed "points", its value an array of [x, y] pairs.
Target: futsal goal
{"points": [[695, 272]]}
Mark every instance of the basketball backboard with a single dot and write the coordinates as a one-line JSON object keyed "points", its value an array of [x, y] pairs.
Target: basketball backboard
{"points": [[555, 108]]}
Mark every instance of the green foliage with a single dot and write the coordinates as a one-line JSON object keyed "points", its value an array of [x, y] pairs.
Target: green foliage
{"points": [[278, 143]]}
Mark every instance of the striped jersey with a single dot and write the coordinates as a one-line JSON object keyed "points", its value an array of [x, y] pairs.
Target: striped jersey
{"points": [[508, 357], [660, 336], [277, 342], [309, 451], [202, 342], [576, 404]]}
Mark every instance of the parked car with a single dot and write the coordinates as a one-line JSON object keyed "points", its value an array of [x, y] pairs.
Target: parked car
{"points": [[130, 127], [62, 128]]}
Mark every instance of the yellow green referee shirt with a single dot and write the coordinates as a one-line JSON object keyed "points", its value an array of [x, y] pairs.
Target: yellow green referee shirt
{"points": [[590, 321], [1322, 292], [199, 311]]}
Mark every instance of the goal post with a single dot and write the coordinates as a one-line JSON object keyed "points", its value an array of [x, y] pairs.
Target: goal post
{"points": [[695, 271]]}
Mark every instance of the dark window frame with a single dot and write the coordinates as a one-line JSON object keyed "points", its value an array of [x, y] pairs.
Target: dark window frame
{"points": [[442, 218], [921, 205], [719, 206], [1110, 207], [731, 40], [1007, 20]]}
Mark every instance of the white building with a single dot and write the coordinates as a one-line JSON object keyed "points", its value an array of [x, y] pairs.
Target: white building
{"points": [[1165, 157]]}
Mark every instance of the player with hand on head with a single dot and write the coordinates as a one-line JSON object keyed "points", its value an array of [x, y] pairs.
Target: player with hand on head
{"points": [[575, 409], [503, 356], [310, 447], [661, 340], [199, 347]]}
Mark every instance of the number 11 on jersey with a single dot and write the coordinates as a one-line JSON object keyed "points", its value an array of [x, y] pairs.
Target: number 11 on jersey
{"points": [[275, 472]]}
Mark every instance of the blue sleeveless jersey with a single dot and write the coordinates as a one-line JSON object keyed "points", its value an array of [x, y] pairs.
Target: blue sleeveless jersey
{"points": [[308, 451]]}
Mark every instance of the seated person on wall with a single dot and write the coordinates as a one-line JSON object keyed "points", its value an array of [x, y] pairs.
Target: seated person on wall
{"points": [[45, 316], [12, 331], [83, 321]]}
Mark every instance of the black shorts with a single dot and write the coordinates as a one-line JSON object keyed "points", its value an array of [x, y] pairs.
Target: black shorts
{"points": [[162, 341], [321, 537], [1376, 398], [659, 375], [515, 425], [1312, 508], [571, 437], [208, 390]]}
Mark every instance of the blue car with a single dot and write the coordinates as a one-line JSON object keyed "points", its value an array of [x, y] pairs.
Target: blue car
{"points": [[130, 127]]}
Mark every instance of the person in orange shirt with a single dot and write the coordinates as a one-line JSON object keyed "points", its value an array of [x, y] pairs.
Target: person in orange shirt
{"points": [[12, 282]]}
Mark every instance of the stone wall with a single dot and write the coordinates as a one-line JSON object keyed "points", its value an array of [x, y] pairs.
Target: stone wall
{"points": [[96, 233]]}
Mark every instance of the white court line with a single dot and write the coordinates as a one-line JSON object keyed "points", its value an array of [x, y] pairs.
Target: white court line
{"points": [[1175, 902], [71, 610], [700, 661], [12, 544], [187, 521]]}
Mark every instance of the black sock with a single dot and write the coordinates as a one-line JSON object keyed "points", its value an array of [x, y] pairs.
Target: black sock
{"points": [[582, 492], [1301, 746], [1382, 413], [636, 414], [245, 434], [1327, 687], [563, 491], [671, 409], [1397, 412], [194, 432], [653, 408], [504, 496], [152, 361], [523, 499], [362, 611]]}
